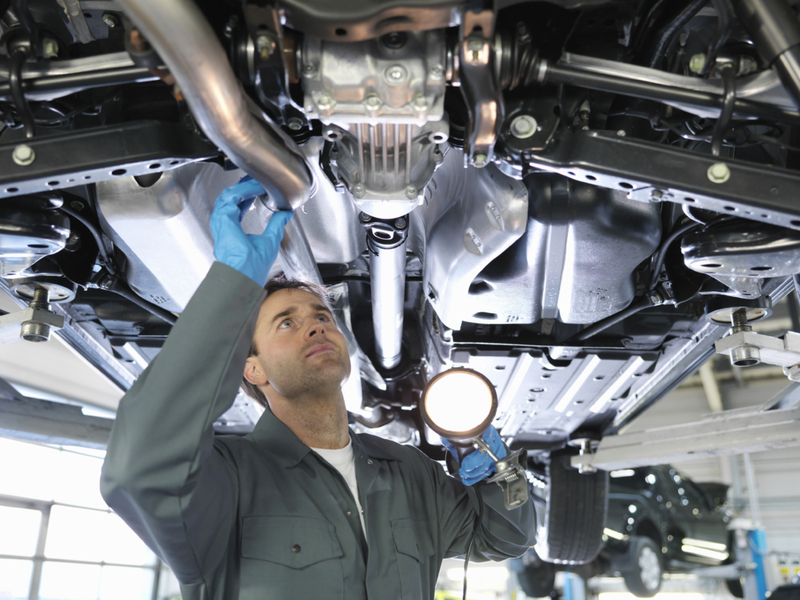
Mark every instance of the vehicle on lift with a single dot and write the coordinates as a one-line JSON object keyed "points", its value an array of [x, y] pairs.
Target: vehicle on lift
{"points": [[659, 521], [572, 197]]}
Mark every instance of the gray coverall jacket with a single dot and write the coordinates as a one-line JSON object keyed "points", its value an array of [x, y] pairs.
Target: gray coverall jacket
{"points": [[263, 516]]}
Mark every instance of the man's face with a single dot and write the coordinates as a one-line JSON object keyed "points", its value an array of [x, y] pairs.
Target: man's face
{"points": [[300, 350]]}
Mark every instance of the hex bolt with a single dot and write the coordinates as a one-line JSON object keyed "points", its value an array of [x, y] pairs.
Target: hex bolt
{"points": [[23, 155], [110, 20], [411, 192], [657, 194], [436, 72], [395, 75], [718, 173], [265, 46], [324, 101], [49, 47], [739, 320], [479, 161], [295, 123], [75, 205], [524, 126], [373, 103], [621, 133], [400, 223], [364, 217], [359, 190], [697, 63], [309, 70], [420, 103]]}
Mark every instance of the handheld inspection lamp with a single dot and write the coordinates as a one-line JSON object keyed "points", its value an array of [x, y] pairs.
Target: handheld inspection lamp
{"points": [[459, 405]]}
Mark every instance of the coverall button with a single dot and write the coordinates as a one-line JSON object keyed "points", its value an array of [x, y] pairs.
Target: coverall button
{"points": [[349, 513], [296, 548], [369, 462]]}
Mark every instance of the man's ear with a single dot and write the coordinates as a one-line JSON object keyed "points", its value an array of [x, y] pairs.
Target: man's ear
{"points": [[253, 373]]}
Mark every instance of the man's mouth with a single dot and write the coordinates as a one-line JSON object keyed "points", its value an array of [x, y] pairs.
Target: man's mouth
{"points": [[320, 348]]}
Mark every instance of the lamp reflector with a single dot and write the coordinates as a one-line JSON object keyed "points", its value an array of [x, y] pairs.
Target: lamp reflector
{"points": [[459, 403]]}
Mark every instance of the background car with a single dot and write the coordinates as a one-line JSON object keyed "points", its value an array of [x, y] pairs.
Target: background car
{"points": [[658, 521]]}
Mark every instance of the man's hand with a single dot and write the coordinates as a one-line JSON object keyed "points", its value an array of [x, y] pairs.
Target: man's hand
{"points": [[477, 466], [251, 255]]}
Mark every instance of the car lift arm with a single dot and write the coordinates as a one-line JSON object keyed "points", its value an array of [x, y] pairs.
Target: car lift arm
{"points": [[774, 424]]}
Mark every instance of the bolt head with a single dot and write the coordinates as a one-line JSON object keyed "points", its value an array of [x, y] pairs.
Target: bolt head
{"points": [[295, 124], [110, 20], [359, 190], [49, 47], [411, 192], [524, 126], [718, 173], [396, 74], [436, 72], [324, 101], [400, 223], [479, 161], [23, 155], [420, 103], [697, 63], [621, 133], [309, 70], [373, 102]]}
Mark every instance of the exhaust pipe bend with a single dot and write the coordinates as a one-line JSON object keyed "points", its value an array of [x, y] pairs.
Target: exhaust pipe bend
{"points": [[185, 41]]}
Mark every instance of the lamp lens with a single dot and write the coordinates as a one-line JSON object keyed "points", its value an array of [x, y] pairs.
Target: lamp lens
{"points": [[458, 401]]}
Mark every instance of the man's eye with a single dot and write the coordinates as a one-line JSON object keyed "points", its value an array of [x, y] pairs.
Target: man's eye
{"points": [[285, 324], [323, 318]]}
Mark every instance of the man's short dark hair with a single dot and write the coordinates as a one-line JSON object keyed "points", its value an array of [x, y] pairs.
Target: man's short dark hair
{"points": [[276, 284]]}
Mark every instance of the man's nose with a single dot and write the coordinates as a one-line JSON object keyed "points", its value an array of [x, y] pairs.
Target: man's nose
{"points": [[317, 327]]}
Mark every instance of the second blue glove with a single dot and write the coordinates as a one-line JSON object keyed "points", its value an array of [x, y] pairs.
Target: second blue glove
{"points": [[477, 466], [251, 255]]}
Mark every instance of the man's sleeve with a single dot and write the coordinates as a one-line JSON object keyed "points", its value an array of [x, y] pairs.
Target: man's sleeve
{"points": [[500, 534], [163, 473]]}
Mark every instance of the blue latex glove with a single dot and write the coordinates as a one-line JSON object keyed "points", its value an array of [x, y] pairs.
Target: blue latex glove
{"points": [[251, 255], [477, 466]]}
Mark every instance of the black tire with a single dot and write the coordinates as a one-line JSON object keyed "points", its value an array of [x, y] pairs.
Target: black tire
{"points": [[645, 570], [537, 581], [575, 513]]}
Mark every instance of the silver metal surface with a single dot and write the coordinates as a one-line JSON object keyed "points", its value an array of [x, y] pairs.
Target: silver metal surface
{"points": [[15, 324], [782, 351], [357, 82], [387, 166], [163, 229], [765, 87], [27, 236], [188, 45], [471, 216], [728, 432], [78, 21], [741, 257], [329, 218], [388, 279]]}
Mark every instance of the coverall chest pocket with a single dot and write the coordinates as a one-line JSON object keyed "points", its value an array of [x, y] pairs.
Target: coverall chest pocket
{"points": [[414, 547], [290, 557]]}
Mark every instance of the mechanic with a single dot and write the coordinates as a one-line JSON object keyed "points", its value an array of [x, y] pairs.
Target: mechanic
{"points": [[302, 507]]}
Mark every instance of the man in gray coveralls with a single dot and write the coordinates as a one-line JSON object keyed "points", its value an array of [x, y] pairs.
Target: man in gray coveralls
{"points": [[302, 507]]}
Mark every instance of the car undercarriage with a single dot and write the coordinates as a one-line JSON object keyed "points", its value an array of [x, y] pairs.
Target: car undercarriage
{"points": [[574, 197]]}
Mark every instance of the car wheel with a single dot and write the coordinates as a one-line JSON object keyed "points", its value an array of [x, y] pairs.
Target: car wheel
{"points": [[575, 513], [644, 571], [537, 581]]}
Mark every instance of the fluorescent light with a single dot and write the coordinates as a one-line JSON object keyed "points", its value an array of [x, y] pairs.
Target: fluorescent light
{"points": [[622, 473], [704, 544], [614, 534], [704, 552]]}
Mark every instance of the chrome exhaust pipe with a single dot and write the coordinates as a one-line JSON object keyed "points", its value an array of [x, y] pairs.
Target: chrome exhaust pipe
{"points": [[185, 41], [387, 246]]}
